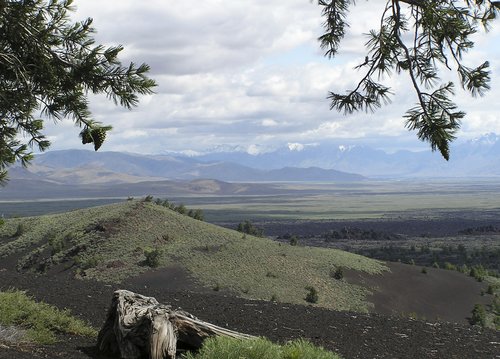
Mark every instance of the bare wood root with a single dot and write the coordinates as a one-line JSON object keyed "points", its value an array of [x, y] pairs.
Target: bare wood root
{"points": [[138, 326]]}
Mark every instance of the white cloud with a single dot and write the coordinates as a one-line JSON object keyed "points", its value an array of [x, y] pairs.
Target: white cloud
{"points": [[133, 134], [268, 122], [254, 150], [250, 74], [296, 146]]}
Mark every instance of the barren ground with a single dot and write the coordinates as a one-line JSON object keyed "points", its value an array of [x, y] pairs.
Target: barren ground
{"points": [[352, 335]]}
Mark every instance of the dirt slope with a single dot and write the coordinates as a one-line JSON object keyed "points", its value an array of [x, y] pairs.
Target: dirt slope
{"points": [[437, 295], [350, 334]]}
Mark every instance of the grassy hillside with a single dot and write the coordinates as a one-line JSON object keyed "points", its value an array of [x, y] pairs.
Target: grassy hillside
{"points": [[114, 242], [24, 320]]}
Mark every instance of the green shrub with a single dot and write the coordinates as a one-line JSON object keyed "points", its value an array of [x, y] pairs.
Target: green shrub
{"points": [[181, 208], [412, 315], [302, 349], [54, 242], [294, 240], [248, 228], [152, 257], [424, 270], [86, 262], [496, 304], [449, 266], [57, 246], [496, 321], [312, 295], [260, 348], [228, 348], [478, 315], [21, 228], [196, 214], [478, 272], [270, 274], [148, 198], [50, 237], [338, 273]]}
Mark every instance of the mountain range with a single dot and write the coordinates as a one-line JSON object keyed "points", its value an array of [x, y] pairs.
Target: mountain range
{"points": [[88, 174], [61, 171], [474, 158], [88, 167]]}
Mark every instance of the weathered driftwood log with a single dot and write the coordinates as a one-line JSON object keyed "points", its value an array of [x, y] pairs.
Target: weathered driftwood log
{"points": [[138, 326]]}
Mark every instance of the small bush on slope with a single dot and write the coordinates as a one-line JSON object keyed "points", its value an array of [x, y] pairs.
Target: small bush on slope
{"points": [[312, 295], [228, 348], [153, 257], [478, 315], [41, 320]]}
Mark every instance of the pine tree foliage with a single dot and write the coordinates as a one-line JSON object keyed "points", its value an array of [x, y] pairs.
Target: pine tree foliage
{"points": [[418, 38], [48, 66]]}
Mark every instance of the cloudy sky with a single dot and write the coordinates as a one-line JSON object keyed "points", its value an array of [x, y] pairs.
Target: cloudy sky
{"points": [[249, 74]]}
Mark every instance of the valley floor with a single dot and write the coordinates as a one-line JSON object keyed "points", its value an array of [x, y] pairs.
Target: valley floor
{"points": [[352, 335]]}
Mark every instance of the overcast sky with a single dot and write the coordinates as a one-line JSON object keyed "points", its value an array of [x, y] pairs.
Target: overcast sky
{"points": [[250, 74]]}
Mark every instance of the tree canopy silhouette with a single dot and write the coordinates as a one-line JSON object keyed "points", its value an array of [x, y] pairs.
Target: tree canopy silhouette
{"points": [[48, 67], [418, 38]]}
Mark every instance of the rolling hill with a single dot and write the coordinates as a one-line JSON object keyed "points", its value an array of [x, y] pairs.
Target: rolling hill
{"points": [[36, 189], [111, 243], [254, 285], [114, 243]]}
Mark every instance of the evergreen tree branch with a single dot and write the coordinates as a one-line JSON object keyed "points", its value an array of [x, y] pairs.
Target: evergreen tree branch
{"points": [[441, 33], [49, 65]]}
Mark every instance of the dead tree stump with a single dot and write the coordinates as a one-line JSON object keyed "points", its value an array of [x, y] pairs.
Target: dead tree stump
{"points": [[138, 326]]}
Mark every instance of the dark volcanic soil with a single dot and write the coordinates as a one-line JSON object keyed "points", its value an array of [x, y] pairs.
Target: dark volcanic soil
{"points": [[438, 295], [350, 334]]}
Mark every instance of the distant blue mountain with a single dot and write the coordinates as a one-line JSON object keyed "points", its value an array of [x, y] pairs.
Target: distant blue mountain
{"points": [[474, 158], [322, 162], [83, 167]]}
